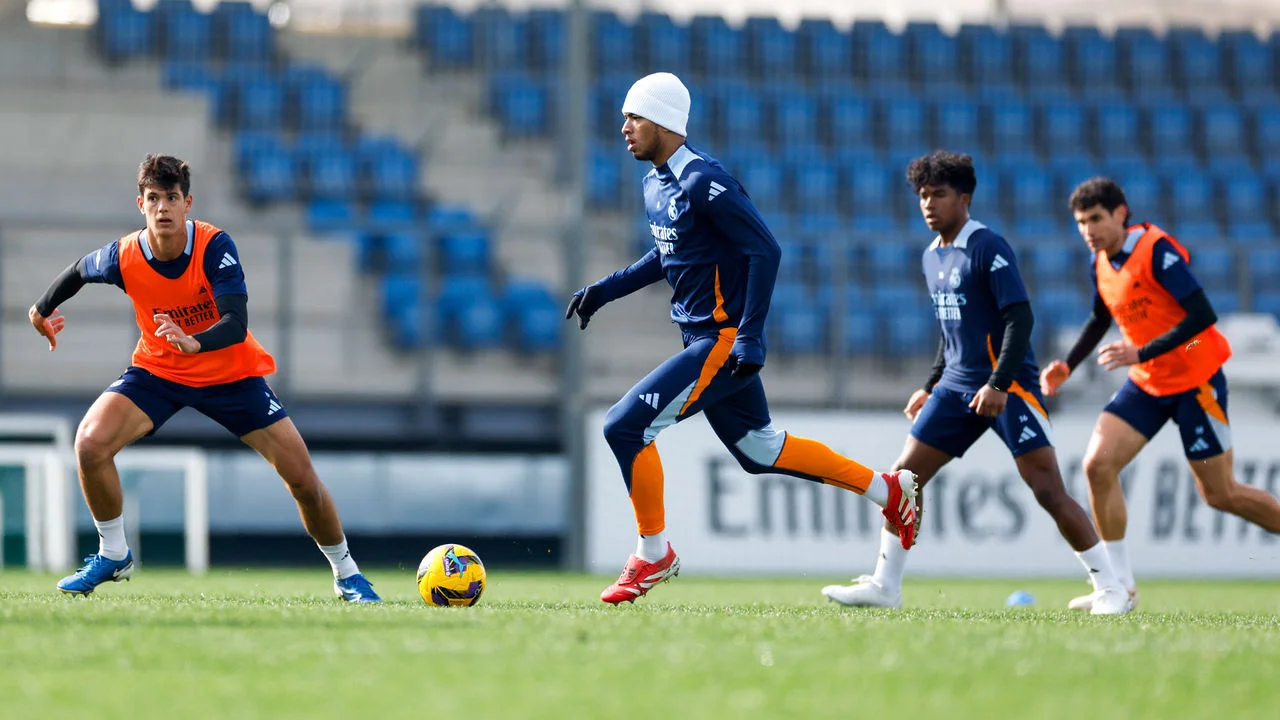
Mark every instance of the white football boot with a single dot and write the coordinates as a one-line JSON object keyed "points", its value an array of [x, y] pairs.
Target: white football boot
{"points": [[1085, 602], [1111, 601], [865, 592]]}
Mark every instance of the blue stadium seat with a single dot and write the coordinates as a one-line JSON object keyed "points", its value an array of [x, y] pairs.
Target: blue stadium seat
{"points": [[774, 51], [1226, 302], [1197, 231], [269, 175], [1055, 263], [321, 105], [1061, 307], [125, 33], [666, 44], [331, 216], [902, 122], [535, 315], [1221, 131], [1250, 63], [615, 45], [1091, 56], [827, 53], [1264, 301], [860, 330], [935, 56], [548, 38], [1214, 266], [1168, 130], [849, 120], [764, 180], [604, 105], [333, 176], [1251, 232], [795, 117], [956, 124], [443, 219], [816, 185], [1144, 59], [447, 36], [1264, 267], [721, 48], [388, 171], [799, 328], [521, 104], [987, 55], [188, 76], [308, 147], [1266, 129], [1011, 127], [1037, 228], [1116, 127], [250, 143], [792, 264], [183, 32], [404, 249], [398, 291], [1030, 191], [242, 35], [1041, 57], [259, 105], [604, 176], [1245, 197], [890, 259], [872, 188], [465, 252], [392, 215], [741, 118], [1191, 197], [1198, 59], [910, 331], [879, 55], [472, 315], [502, 39], [1063, 129]]}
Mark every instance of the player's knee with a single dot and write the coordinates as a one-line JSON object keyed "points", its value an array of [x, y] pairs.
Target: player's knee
{"points": [[620, 428], [304, 484], [1099, 470], [1052, 498], [93, 445], [1219, 497]]}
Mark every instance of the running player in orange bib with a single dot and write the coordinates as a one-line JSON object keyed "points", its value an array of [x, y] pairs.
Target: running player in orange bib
{"points": [[1174, 354], [190, 302]]}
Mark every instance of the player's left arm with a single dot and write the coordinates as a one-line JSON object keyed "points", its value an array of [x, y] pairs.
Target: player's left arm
{"points": [[999, 266], [230, 295], [1176, 278], [736, 217]]}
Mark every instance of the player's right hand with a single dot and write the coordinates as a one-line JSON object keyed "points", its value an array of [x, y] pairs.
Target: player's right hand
{"points": [[47, 326], [917, 401], [584, 304], [1052, 377]]}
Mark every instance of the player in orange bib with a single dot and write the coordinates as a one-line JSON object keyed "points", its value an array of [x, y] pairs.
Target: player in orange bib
{"points": [[189, 298], [1174, 354]]}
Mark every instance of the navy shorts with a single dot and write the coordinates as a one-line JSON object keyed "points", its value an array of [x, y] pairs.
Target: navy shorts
{"points": [[1201, 415], [946, 422], [241, 407]]}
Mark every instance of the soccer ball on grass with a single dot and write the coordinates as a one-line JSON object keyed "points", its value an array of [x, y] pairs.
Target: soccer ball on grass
{"points": [[451, 575]]}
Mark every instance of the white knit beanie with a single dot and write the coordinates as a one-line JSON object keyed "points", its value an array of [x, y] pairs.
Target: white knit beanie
{"points": [[661, 99]]}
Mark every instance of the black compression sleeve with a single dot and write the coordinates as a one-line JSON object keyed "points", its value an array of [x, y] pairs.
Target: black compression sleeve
{"points": [[1200, 316], [67, 284], [231, 328], [939, 365], [1018, 321], [1097, 325]]}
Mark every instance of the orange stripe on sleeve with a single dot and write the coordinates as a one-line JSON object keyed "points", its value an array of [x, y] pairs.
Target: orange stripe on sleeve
{"points": [[716, 359]]}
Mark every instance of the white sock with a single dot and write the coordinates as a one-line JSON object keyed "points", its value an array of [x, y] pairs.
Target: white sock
{"points": [[344, 566], [1118, 551], [111, 542], [878, 491], [892, 563], [652, 548], [1097, 562]]}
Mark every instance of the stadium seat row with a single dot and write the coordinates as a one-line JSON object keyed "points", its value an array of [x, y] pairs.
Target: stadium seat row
{"points": [[174, 29], [468, 314]]}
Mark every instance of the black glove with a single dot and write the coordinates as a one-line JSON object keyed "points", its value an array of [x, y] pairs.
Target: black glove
{"points": [[740, 369], [745, 359], [584, 304]]}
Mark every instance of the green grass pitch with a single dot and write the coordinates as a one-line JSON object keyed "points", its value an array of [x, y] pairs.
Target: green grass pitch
{"points": [[264, 644]]}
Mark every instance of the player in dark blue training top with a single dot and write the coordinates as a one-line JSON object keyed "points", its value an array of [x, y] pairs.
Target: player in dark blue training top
{"points": [[985, 377], [721, 262]]}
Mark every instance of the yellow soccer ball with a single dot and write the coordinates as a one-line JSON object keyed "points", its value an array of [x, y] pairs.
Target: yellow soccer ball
{"points": [[451, 575]]}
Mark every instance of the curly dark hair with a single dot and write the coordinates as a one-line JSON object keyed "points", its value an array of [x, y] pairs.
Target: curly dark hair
{"points": [[943, 168], [164, 171], [1098, 191]]}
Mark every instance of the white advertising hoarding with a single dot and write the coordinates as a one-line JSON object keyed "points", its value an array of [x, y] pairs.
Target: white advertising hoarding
{"points": [[980, 519]]}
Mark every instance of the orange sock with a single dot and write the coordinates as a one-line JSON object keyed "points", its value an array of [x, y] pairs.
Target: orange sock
{"points": [[815, 459], [646, 491]]}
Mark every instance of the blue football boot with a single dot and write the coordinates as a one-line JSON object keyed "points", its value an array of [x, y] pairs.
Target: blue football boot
{"points": [[95, 571], [356, 589]]}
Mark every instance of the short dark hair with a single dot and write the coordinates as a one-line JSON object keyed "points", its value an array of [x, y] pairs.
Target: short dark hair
{"points": [[164, 171], [943, 168], [1098, 191]]}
